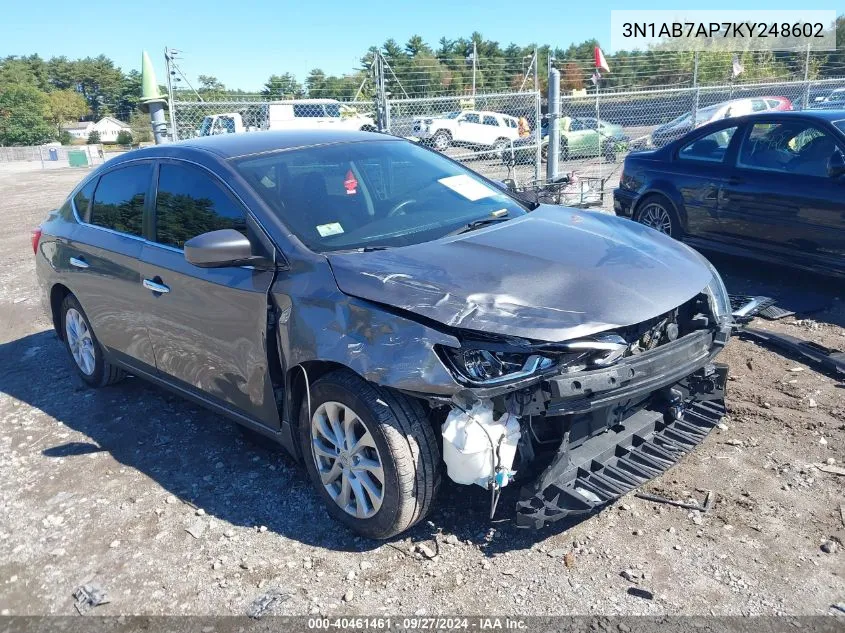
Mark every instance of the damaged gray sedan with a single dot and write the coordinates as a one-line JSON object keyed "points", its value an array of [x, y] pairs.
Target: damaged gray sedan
{"points": [[391, 318]]}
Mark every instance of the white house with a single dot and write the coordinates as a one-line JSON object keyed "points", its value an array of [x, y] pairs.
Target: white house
{"points": [[108, 127], [80, 129]]}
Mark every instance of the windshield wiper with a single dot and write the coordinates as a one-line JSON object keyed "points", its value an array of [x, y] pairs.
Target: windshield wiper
{"points": [[477, 224]]}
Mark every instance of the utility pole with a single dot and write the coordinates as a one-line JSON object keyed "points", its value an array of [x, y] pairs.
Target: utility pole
{"points": [[170, 72], [474, 57]]}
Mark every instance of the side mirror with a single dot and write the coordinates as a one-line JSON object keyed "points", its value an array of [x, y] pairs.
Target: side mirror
{"points": [[836, 165], [220, 249]]}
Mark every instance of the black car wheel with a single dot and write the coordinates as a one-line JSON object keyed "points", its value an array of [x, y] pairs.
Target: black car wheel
{"points": [[656, 211], [83, 347], [371, 453], [441, 141], [610, 151]]}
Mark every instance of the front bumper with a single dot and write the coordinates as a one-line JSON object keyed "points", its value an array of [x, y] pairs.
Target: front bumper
{"points": [[623, 202], [625, 425]]}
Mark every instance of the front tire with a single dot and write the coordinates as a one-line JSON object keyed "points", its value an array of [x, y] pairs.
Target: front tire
{"points": [[441, 141], [371, 453], [84, 349]]}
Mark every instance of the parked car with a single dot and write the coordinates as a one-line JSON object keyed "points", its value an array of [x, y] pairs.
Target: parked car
{"points": [[580, 137], [683, 124], [287, 115], [353, 295], [833, 101], [471, 128], [768, 186]]}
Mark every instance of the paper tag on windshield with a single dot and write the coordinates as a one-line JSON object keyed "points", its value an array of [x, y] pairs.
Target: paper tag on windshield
{"points": [[468, 187], [333, 228]]}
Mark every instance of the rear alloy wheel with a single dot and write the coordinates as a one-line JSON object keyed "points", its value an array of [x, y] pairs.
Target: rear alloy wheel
{"points": [[441, 141], [371, 453], [656, 213], [83, 347]]}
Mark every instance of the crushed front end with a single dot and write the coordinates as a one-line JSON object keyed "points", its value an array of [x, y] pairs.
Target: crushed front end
{"points": [[598, 416]]}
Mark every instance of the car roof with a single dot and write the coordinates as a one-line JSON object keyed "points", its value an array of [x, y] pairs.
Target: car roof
{"points": [[233, 145]]}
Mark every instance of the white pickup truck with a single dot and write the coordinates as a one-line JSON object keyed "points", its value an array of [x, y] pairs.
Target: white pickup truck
{"points": [[287, 115], [472, 128]]}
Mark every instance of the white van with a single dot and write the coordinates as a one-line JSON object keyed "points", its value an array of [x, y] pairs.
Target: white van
{"points": [[288, 115]]}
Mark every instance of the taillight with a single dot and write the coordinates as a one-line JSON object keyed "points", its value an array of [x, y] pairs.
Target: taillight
{"points": [[36, 237]]}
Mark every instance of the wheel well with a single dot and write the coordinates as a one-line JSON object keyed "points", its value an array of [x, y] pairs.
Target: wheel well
{"points": [[444, 132], [314, 369], [368, 128], [57, 295]]}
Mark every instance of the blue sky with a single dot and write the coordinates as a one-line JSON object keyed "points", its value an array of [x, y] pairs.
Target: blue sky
{"points": [[242, 42]]}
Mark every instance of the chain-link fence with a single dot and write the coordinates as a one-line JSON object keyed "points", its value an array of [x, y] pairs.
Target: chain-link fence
{"points": [[497, 135], [505, 135], [52, 156]]}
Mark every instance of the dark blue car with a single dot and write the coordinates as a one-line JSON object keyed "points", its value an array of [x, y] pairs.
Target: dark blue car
{"points": [[769, 186]]}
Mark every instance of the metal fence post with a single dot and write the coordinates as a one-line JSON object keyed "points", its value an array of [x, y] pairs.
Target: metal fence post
{"points": [[805, 98], [696, 90], [538, 136], [382, 113], [553, 153]]}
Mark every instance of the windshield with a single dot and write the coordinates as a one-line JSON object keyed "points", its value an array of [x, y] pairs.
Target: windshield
{"points": [[372, 193], [332, 109], [451, 115]]}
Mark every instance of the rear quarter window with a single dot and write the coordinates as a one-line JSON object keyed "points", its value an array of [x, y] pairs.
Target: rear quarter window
{"points": [[82, 199]]}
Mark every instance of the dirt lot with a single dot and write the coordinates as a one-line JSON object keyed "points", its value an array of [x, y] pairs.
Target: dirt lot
{"points": [[173, 511]]}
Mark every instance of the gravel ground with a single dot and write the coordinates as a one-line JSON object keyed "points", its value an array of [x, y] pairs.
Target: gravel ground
{"points": [[172, 510]]}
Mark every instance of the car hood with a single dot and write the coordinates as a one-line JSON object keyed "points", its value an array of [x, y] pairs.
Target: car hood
{"points": [[551, 275]]}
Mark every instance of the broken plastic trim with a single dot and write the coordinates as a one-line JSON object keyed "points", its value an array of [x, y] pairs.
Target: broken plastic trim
{"points": [[641, 447]]}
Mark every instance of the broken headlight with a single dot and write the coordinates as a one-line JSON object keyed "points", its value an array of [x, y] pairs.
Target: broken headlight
{"points": [[489, 367], [717, 296]]}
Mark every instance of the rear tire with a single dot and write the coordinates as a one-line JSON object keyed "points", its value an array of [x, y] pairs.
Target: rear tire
{"points": [[610, 151], [657, 212], [388, 429], [499, 147], [83, 347]]}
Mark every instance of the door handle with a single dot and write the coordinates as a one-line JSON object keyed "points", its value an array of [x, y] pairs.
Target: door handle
{"points": [[78, 262], [149, 284]]}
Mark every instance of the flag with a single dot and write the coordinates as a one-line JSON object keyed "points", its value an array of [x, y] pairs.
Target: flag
{"points": [[737, 67], [601, 62]]}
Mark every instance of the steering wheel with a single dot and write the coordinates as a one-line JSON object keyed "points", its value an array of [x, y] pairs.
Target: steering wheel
{"points": [[397, 210]]}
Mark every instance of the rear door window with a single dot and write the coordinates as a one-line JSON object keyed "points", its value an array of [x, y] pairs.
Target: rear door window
{"points": [[118, 202], [490, 120], [190, 202], [711, 148], [472, 118]]}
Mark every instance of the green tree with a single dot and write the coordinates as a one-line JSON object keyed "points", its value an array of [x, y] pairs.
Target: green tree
{"points": [[94, 137], [141, 127], [99, 81], [283, 87], [65, 137], [65, 106], [124, 137], [23, 116]]}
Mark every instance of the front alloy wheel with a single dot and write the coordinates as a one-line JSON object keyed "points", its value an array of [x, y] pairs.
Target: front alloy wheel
{"points": [[347, 459], [371, 453]]}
